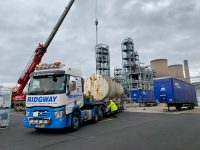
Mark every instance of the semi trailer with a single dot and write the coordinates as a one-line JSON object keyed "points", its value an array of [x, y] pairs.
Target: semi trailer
{"points": [[143, 96], [175, 92], [58, 97]]}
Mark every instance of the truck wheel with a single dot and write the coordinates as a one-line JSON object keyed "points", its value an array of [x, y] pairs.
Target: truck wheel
{"points": [[101, 115], [119, 110], [95, 119], [76, 121], [192, 106], [178, 107], [168, 107]]}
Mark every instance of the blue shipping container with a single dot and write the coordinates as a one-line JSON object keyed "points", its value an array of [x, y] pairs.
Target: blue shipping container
{"points": [[174, 92], [142, 96], [135, 95]]}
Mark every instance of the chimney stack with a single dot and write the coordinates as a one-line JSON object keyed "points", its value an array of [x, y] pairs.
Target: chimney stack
{"points": [[186, 70]]}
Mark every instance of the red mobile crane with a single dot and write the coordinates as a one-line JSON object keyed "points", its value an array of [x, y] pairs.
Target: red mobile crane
{"points": [[18, 97]]}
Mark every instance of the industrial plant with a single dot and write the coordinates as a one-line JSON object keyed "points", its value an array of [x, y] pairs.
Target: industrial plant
{"points": [[138, 105], [102, 60], [162, 69], [133, 73]]}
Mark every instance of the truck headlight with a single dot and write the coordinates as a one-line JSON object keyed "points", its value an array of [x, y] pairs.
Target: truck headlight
{"points": [[27, 113], [35, 121], [31, 121], [59, 114]]}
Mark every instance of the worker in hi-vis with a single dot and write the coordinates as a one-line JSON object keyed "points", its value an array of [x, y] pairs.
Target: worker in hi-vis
{"points": [[113, 107]]}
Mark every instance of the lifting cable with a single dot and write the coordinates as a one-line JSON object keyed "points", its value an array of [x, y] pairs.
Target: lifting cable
{"points": [[96, 10], [96, 21]]}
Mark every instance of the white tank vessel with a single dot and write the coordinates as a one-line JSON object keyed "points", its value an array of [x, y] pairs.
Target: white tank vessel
{"points": [[102, 88]]}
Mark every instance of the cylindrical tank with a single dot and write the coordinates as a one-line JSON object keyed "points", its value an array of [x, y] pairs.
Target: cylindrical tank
{"points": [[101, 88], [160, 66], [176, 71]]}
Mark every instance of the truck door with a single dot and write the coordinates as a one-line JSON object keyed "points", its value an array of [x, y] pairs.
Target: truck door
{"points": [[74, 93]]}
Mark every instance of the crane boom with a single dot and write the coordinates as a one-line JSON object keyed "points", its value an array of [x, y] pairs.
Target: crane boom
{"points": [[37, 56], [55, 29]]}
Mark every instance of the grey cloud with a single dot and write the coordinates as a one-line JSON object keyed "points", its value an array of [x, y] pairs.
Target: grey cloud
{"points": [[159, 28]]}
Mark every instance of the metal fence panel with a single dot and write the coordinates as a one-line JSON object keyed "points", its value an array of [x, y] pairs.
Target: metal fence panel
{"points": [[5, 105], [5, 98], [4, 117]]}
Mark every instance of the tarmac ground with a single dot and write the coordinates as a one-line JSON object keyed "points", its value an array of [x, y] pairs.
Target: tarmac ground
{"points": [[135, 129], [160, 108]]}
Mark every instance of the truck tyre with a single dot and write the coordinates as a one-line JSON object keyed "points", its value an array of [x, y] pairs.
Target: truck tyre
{"points": [[192, 106], [100, 115], [95, 119], [76, 121], [168, 107], [178, 107], [119, 109]]}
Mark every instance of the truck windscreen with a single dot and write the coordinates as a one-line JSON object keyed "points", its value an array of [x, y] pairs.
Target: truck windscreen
{"points": [[45, 85]]}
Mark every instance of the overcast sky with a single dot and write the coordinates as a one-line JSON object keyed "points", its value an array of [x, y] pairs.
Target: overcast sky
{"points": [[159, 28]]}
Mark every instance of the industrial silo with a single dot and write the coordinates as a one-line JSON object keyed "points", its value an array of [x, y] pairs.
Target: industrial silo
{"points": [[160, 66], [176, 71]]}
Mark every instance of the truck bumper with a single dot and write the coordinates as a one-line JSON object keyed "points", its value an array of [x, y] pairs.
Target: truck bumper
{"points": [[46, 118]]}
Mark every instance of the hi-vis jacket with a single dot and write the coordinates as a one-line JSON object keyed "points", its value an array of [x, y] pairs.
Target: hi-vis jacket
{"points": [[112, 106]]}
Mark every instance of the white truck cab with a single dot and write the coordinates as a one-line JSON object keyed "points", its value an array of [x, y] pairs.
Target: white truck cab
{"points": [[55, 92]]}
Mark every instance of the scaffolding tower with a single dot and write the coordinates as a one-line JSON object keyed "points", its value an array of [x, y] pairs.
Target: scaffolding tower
{"points": [[118, 75], [130, 58], [134, 75], [141, 78], [102, 60]]}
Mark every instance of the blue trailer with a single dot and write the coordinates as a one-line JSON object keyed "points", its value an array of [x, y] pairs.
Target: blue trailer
{"points": [[135, 95], [143, 96], [175, 92]]}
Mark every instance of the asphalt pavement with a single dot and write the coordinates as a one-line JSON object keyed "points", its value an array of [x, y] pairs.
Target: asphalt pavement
{"points": [[129, 131]]}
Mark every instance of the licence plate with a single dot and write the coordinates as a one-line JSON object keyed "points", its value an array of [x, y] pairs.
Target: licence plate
{"points": [[40, 126], [35, 114]]}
